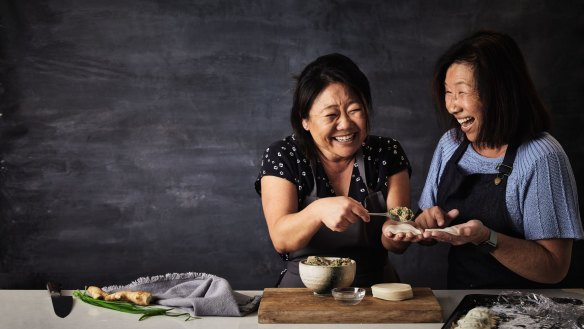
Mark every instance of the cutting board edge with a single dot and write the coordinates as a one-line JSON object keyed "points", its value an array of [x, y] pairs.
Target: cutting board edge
{"points": [[268, 314], [293, 319]]}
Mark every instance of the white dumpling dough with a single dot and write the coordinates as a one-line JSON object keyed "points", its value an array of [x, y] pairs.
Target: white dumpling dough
{"points": [[450, 230], [392, 291], [478, 317], [403, 228]]}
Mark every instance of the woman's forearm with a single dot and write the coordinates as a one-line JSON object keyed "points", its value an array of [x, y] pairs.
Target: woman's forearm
{"points": [[543, 261], [293, 231]]}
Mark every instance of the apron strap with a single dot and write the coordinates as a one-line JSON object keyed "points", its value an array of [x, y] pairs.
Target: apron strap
{"points": [[312, 165], [361, 164], [506, 167], [459, 151]]}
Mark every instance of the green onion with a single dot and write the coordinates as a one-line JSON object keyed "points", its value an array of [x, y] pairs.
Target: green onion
{"points": [[146, 311]]}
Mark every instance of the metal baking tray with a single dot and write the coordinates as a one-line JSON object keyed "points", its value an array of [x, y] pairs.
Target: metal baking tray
{"points": [[469, 302]]}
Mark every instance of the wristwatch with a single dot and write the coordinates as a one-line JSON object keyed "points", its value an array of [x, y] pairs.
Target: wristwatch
{"points": [[490, 244]]}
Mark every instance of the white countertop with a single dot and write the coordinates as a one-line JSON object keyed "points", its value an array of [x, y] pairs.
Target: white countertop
{"points": [[33, 309]]}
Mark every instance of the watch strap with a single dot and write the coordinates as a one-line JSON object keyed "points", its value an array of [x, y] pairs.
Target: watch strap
{"points": [[490, 244]]}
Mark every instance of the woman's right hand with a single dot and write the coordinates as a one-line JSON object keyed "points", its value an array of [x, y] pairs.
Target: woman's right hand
{"points": [[339, 213], [291, 229], [436, 217]]}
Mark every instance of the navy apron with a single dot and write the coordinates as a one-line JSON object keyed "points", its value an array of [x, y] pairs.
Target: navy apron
{"points": [[479, 196], [361, 242]]}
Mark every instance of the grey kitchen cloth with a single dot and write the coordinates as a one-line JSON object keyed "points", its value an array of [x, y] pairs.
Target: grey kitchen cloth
{"points": [[200, 294]]}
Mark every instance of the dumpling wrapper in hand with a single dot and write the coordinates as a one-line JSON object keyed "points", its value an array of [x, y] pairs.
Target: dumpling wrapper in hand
{"points": [[403, 228], [450, 230]]}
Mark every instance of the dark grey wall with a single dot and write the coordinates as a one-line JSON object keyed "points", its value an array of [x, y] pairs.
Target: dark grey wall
{"points": [[131, 130]]}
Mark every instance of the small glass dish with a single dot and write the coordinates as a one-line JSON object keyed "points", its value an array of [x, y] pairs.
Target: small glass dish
{"points": [[348, 296]]}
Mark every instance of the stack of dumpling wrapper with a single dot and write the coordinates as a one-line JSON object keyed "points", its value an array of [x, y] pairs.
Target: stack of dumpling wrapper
{"points": [[392, 291]]}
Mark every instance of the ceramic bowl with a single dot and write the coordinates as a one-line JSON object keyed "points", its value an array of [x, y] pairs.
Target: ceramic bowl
{"points": [[348, 296], [321, 279]]}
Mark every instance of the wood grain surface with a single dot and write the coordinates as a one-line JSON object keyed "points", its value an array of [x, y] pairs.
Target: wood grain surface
{"points": [[299, 305]]}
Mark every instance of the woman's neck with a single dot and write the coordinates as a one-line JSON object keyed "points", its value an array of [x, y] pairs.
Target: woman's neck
{"points": [[339, 174], [336, 166], [490, 152]]}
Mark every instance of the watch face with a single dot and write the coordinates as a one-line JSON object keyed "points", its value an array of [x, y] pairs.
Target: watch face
{"points": [[492, 239]]}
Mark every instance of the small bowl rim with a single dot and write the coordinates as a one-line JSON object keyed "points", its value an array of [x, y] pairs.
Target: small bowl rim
{"points": [[340, 294], [347, 289], [357, 291], [303, 262]]}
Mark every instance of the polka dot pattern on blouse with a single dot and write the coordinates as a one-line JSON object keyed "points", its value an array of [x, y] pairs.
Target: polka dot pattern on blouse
{"points": [[382, 158]]}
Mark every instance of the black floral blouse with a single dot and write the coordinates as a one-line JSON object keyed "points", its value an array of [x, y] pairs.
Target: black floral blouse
{"points": [[382, 157]]}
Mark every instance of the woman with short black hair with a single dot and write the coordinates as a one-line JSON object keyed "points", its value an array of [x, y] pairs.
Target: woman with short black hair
{"points": [[497, 176], [513, 111]]}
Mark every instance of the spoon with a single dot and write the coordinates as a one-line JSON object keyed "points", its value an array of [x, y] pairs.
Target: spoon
{"points": [[385, 214]]}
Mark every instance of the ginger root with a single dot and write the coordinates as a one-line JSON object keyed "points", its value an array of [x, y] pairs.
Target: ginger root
{"points": [[136, 297], [96, 292]]}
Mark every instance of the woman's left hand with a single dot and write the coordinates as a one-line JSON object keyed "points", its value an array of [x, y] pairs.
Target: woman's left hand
{"points": [[472, 231], [401, 236]]}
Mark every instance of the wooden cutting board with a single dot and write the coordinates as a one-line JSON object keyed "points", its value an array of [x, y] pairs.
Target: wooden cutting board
{"points": [[300, 305]]}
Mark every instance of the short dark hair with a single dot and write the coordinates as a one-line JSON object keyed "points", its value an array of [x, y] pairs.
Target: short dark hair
{"points": [[512, 111], [316, 76]]}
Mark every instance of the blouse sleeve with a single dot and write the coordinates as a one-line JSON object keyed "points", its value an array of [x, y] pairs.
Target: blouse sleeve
{"points": [[280, 159], [550, 207]]}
